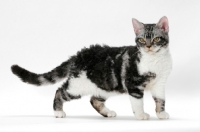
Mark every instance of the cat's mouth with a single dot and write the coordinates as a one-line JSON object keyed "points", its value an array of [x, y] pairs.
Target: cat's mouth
{"points": [[151, 50]]}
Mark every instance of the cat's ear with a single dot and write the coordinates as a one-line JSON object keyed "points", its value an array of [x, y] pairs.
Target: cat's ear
{"points": [[137, 25], [163, 24]]}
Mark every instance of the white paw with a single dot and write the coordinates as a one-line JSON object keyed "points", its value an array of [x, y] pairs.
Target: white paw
{"points": [[163, 115], [142, 116], [111, 114], [59, 114]]}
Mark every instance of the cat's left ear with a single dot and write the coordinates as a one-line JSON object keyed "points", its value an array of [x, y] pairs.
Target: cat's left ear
{"points": [[163, 24]]}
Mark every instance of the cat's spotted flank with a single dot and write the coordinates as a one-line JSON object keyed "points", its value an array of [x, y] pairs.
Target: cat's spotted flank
{"points": [[103, 71]]}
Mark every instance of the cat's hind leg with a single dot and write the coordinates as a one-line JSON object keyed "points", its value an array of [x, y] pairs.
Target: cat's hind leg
{"points": [[61, 97], [99, 106]]}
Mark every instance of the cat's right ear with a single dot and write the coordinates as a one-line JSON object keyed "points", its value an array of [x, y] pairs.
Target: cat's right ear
{"points": [[137, 25]]}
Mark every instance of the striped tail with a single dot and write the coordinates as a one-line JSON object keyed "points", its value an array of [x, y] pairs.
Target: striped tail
{"points": [[51, 77]]}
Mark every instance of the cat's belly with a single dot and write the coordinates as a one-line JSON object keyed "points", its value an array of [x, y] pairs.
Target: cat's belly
{"points": [[84, 86]]}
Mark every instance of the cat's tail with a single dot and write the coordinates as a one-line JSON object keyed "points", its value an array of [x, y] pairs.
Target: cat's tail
{"points": [[51, 77]]}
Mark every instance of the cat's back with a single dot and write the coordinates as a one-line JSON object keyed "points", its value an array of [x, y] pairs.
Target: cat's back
{"points": [[96, 55]]}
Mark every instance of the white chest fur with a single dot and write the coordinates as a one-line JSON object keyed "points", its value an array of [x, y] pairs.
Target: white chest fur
{"points": [[159, 63]]}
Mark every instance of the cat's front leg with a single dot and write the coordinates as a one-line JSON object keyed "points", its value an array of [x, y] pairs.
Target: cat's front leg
{"points": [[136, 98], [136, 91], [158, 93]]}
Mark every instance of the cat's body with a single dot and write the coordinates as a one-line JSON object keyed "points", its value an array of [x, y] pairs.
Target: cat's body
{"points": [[103, 71]]}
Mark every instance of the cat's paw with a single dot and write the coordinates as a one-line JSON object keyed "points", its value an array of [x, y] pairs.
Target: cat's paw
{"points": [[163, 115], [142, 116], [111, 114], [59, 114]]}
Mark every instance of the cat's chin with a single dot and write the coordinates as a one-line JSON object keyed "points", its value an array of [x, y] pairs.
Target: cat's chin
{"points": [[149, 51]]}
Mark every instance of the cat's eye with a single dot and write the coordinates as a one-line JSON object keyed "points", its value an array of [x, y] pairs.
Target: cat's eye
{"points": [[157, 39], [142, 40]]}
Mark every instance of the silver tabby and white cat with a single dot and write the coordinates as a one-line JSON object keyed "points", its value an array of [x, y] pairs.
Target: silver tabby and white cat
{"points": [[103, 71]]}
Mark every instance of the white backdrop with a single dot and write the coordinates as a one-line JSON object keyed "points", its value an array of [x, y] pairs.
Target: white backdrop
{"points": [[40, 34]]}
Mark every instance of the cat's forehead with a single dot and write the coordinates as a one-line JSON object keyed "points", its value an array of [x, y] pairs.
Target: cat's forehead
{"points": [[149, 27], [148, 30]]}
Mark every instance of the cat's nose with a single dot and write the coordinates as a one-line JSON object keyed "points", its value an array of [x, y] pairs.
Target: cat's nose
{"points": [[148, 46]]}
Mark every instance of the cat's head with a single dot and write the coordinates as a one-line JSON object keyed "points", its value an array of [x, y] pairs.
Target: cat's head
{"points": [[152, 38]]}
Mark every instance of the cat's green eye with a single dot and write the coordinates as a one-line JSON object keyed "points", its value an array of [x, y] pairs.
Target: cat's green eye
{"points": [[142, 40], [157, 39]]}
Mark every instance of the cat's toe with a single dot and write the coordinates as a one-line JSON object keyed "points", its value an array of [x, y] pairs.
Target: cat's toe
{"points": [[163, 115], [59, 114], [111, 114], [143, 116]]}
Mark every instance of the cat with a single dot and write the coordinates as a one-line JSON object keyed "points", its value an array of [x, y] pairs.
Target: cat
{"points": [[103, 71]]}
